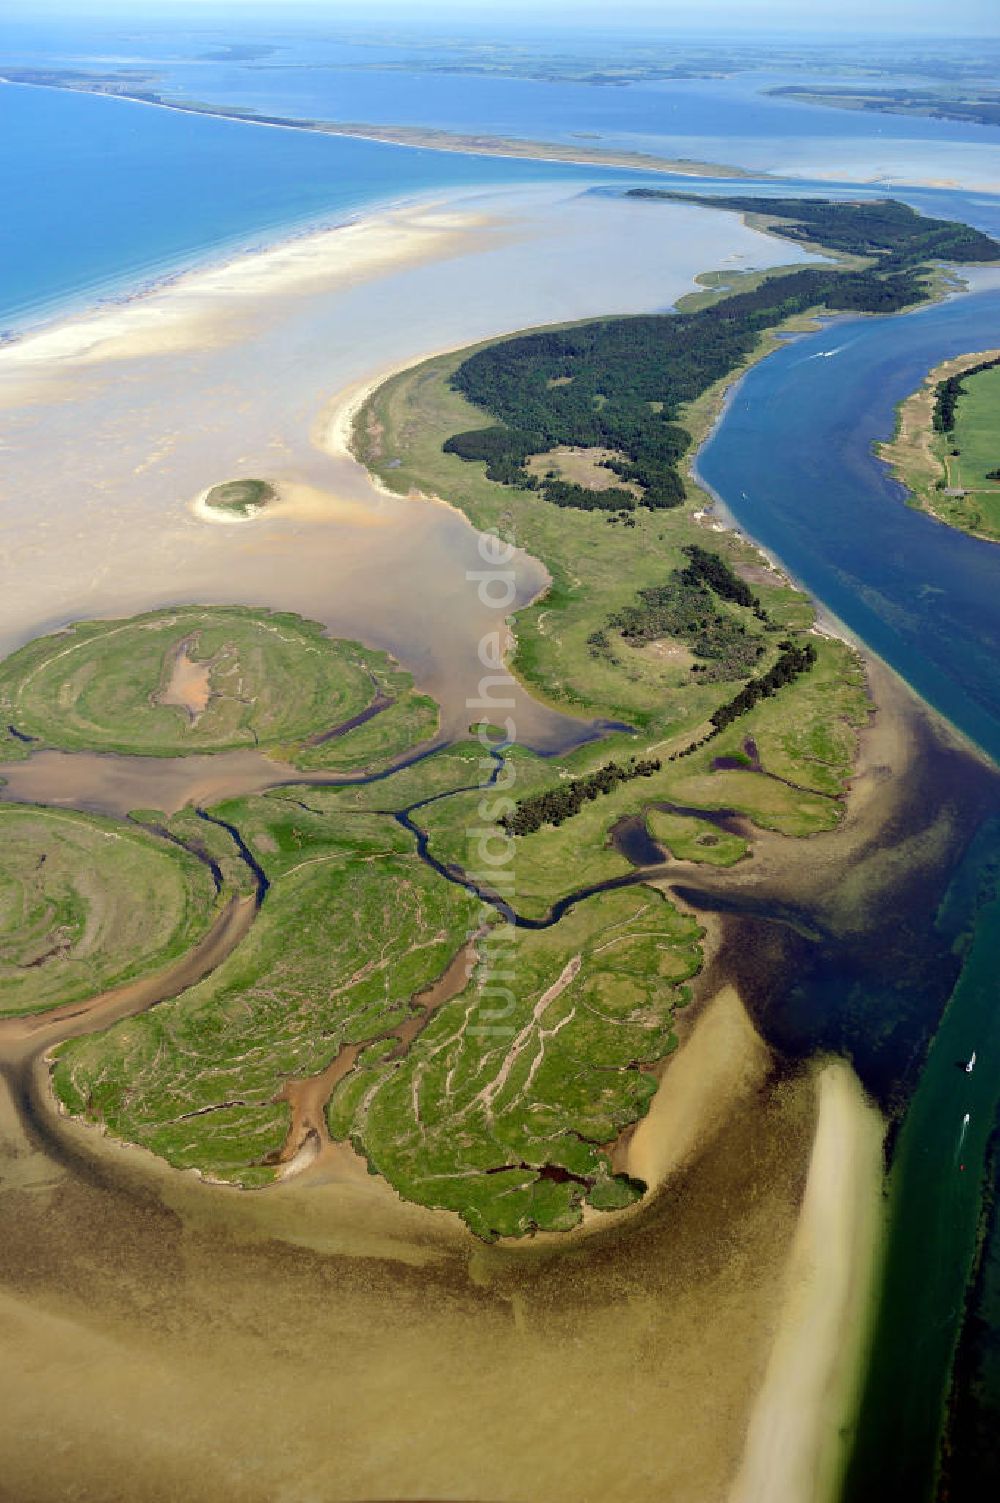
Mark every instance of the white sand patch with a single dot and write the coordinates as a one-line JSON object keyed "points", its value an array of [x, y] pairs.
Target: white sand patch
{"points": [[292, 499], [722, 1061]]}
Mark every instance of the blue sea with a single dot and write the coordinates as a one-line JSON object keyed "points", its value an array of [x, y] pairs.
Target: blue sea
{"points": [[105, 194]]}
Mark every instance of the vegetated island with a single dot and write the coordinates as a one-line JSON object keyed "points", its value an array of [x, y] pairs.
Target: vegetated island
{"points": [[980, 106], [371, 976], [240, 499], [88, 904], [197, 679], [137, 87], [946, 447]]}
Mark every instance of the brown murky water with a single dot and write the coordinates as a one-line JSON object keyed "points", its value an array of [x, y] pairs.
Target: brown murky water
{"points": [[102, 462]]}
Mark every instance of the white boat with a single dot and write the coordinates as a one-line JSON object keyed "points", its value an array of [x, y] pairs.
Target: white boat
{"points": [[972, 1063], [966, 1119]]}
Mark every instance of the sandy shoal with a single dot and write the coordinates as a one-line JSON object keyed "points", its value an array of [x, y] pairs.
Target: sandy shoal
{"points": [[723, 1058], [791, 1452]]}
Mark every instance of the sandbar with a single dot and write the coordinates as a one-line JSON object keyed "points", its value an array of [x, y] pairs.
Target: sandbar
{"points": [[812, 1377]]}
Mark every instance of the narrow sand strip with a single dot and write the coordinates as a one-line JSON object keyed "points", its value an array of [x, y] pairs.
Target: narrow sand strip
{"points": [[793, 1451]]}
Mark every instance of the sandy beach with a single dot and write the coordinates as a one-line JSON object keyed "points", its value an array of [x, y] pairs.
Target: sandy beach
{"points": [[202, 306]]}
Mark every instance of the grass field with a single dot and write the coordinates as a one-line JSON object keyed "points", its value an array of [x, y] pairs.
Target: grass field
{"points": [[86, 905], [977, 439], [926, 461], [690, 839], [500, 1107]]}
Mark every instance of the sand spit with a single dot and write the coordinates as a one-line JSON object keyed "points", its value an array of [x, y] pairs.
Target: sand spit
{"points": [[792, 1453], [722, 1060], [201, 308]]}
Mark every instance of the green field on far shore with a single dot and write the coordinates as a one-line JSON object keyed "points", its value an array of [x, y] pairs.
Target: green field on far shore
{"points": [[976, 436], [953, 473]]}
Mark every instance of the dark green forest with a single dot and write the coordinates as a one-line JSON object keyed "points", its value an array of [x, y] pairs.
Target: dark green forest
{"points": [[883, 228], [618, 383]]}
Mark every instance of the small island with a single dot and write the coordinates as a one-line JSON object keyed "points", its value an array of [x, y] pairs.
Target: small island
{"points": [[206, 679], [240, 499], [946, 448]]}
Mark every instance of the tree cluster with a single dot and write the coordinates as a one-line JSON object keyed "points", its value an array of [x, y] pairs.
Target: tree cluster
{"points": [[947, 393], [556, 804], [884, 228], [716, 573], [793, 661], [683, 607]]}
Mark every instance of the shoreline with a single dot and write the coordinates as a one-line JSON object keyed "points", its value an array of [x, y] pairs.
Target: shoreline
{"points": [[436, 138], [111, 293], [193, 307], [830, 1284]]}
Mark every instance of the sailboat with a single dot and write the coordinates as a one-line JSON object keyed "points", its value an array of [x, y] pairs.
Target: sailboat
{"points": [[971, 1064]]}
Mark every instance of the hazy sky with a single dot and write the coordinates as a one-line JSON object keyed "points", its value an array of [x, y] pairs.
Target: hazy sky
{"points": [[832, 16]]}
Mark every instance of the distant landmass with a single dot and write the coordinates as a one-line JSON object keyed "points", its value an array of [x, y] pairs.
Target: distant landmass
{"points": [[980, 106]]}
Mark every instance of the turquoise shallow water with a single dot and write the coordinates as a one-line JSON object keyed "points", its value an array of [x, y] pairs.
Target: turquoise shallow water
{"points": [[109, 193]]}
